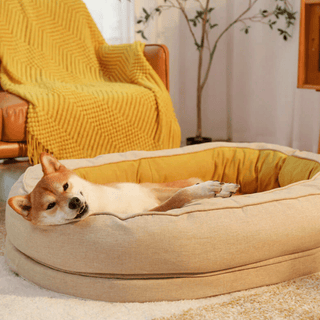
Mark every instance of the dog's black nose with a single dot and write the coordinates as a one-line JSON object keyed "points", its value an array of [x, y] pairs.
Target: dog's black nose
{"points": [[74, 203]]}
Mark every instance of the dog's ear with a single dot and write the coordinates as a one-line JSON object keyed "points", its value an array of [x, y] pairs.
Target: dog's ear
{"points": [[49, 163], [21, 204]]}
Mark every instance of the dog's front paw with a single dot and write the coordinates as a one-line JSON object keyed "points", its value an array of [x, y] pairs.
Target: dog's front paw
{"points": [[228, 189], [206, 189]]}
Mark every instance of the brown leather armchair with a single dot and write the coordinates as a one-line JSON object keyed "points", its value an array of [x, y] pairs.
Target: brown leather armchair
{"points": [[13, 110]]}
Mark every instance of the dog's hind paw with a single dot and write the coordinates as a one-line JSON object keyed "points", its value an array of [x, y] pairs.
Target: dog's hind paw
{"points": [[228, 189]]}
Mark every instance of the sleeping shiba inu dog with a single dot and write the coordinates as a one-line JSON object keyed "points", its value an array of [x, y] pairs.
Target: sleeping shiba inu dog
{"points": [[62, 197]]}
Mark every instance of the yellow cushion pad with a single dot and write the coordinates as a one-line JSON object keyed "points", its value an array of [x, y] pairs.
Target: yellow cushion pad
{"points": [[255, 170]]}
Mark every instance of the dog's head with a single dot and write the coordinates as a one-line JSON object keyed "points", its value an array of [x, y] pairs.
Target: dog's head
{"points": [[56, 199]]}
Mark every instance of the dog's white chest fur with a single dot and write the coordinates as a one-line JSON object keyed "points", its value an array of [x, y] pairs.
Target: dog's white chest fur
{"points": [[119, 199], [126, 197]]}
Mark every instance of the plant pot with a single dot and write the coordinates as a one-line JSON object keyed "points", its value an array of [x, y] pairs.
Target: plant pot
{"points": [[198, 140]]}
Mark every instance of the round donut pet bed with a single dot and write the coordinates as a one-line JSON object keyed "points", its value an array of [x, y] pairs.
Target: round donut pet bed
{"points": [[269, 234]]}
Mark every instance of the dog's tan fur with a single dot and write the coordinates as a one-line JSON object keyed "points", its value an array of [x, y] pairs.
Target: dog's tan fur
{"points": [[61, 196]]}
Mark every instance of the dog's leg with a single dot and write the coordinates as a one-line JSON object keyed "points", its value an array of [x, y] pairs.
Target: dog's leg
{"points": [[202, 190], [228, 189]]}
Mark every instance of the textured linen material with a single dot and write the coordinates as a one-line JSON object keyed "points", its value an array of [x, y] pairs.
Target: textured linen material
{"points": [[85, 97], [169, 289], [270, 230]]}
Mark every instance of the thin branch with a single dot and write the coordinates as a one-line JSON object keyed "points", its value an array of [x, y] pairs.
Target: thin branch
{"points": [[288, 4], [154, 12], [182, 8], [208, 40], [199, 87], [258, 17], [207, 34], [251, 4], [208, 21], [200, 4]]}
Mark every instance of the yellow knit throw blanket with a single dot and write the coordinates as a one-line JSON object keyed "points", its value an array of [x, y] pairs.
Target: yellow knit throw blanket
{"points": [[85, 97]]}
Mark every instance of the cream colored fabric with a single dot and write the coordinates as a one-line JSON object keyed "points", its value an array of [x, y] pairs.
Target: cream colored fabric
{"points": [[169, 289], [202, 240]]}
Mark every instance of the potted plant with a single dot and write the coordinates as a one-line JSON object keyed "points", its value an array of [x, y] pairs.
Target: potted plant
{"points": [[203, 18]]}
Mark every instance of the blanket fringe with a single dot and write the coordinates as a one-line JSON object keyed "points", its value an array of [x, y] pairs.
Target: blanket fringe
{"points": [[34, 148]]}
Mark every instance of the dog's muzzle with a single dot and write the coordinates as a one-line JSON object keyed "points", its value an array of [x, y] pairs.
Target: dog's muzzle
{"points": [[75, 203]]}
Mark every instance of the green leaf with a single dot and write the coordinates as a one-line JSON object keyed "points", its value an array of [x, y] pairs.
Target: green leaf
{"points": [[145, 11], [200, 13], [142, 34], [147, 14], [246, 29], [213, 25], [271, 23], [198, 45], [194, 22]]}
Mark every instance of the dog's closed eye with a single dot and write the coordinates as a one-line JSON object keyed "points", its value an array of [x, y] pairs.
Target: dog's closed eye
{"points": [[51, 205], [65, 186]]}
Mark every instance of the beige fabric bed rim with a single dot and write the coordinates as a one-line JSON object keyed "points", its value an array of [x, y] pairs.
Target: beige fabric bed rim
{"points": [[210, 247]]}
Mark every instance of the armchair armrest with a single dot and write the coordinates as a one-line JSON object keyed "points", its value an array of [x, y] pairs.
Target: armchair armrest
{"points": [[13, 115], [158, 57]]}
